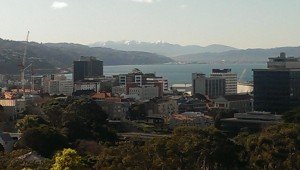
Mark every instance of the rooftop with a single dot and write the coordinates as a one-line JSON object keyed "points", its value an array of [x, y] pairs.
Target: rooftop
{"points": [[237, 97]]}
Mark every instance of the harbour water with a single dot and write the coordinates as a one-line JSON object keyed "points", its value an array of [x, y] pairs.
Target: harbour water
{"points": [[182, 73]]}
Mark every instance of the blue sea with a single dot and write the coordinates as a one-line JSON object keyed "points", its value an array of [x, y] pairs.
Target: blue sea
{"points": [[182, 73]]}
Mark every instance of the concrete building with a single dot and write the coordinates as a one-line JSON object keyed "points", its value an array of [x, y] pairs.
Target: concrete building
{"points": [[184, 88], [284, 62], [238, 102], [253, 121], [57, 87], [118, 90], [230, 79], [277, 89], [161, 106], [145, 92], [158, 80], [138, 78], [87, 67], [212, 87], [66, 87], [87, 85], [53, 87]]}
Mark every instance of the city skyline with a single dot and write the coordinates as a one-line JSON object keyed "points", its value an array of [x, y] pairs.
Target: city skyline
{"points": [[241, 24]]}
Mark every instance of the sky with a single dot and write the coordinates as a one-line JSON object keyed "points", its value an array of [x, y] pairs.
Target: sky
{"points": [[238, 23]]}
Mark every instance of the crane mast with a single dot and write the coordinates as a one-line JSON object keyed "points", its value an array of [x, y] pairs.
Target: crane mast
{"points": [[23, 68]]}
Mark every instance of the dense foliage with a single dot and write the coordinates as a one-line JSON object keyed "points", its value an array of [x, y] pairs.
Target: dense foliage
{"points": [[292, 116], [80, 124], [68, 159], [277, 147], [64, 122]]}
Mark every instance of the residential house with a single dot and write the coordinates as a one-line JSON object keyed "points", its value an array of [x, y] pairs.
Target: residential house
{"points": [[239, 102]]}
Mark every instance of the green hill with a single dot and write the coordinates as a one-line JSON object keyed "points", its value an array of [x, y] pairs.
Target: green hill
{"points": [[49, 57]]}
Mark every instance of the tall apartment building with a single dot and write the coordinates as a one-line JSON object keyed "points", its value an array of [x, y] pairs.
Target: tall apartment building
{"points": [[277, 88], [212, 87], [230, 79], [87, 67]]}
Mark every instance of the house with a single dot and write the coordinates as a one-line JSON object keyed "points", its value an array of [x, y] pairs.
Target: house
{"points": [[156, 120], [31, 157], [191, 105], [161, 106], [101, 95], [7, 141], [189, 119], [116, 108], [12, 107], [238, 102]]}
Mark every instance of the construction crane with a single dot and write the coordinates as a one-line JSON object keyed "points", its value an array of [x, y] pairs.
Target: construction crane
{"points": [[22, 66], [242, 75]]}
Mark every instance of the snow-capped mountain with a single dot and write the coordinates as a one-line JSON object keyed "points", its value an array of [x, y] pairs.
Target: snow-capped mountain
{"points": [[161, 47]]}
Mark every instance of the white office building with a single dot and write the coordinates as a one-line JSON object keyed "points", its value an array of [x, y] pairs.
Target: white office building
{"points": [[230, 79]]}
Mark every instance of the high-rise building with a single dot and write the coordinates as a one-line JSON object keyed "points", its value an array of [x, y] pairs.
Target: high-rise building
{"points": [[230, 79], [212, 87], [87, 67], [277, 89]]}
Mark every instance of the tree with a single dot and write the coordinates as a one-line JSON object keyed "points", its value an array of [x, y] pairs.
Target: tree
{"points": [[54, 110], [43, 139], [125, 155], [68, 159], [85, 119], [1, 148], [292, 116], [79, 119], [188, 148], [3, 116], [30, 121], [137, 111], [276, 147]]}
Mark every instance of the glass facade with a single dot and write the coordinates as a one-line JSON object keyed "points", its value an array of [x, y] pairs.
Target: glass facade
{"points": [[276, 91]]}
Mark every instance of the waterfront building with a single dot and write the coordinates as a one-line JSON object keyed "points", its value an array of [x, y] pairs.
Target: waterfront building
{"points": [[230, 79], [277, 88], [184, 88], [212, 87], [87, 67]]}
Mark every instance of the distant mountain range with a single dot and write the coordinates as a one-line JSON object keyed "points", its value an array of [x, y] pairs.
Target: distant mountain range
{"points": [[50, 56], [239, 56], [162, 48]]}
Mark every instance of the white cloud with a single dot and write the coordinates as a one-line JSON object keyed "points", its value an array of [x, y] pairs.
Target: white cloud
{"points": [[143, 1], [59, 5]]}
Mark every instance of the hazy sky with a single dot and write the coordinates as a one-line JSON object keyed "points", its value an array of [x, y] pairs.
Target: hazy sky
{"points": [[238, 23]]}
